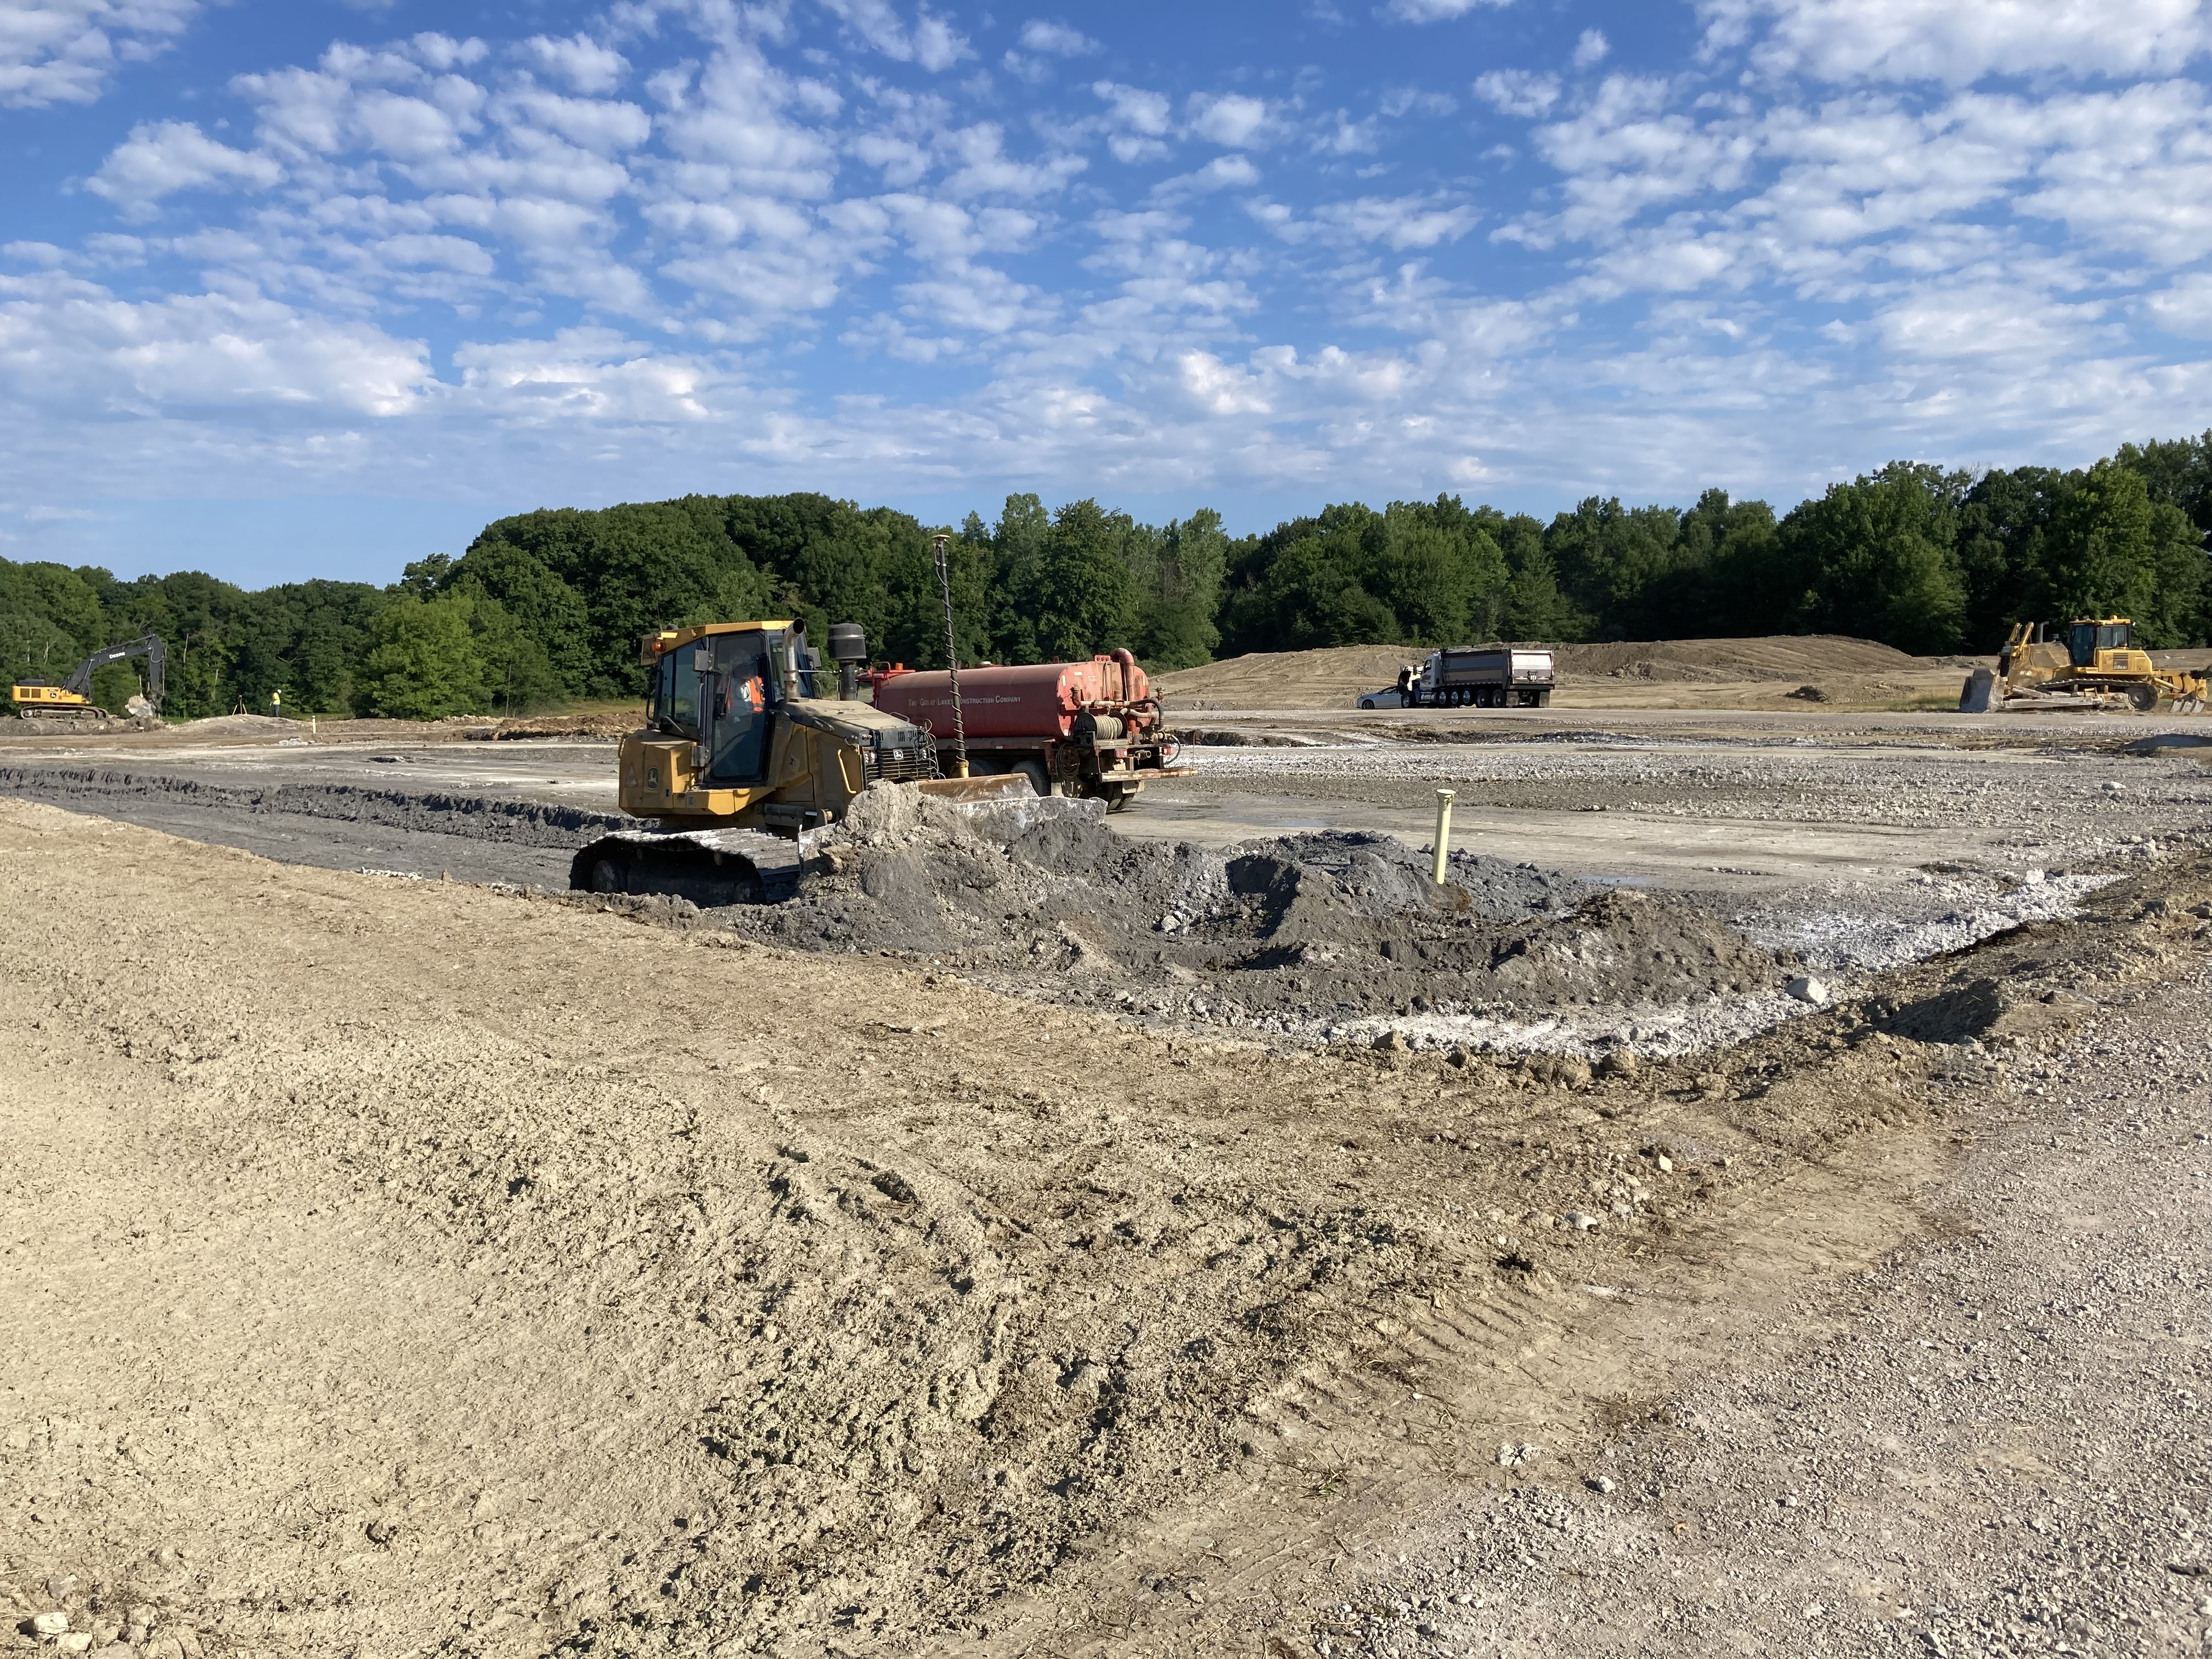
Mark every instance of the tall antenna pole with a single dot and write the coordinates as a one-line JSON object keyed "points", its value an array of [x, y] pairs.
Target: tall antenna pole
{"points": [[952, 662]]}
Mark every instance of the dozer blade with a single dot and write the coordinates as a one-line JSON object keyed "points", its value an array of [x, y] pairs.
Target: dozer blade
{"points": [[1008, 785]]}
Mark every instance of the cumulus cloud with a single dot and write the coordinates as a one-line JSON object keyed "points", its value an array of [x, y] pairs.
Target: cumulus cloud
{"points": [[585, 65], [1518, 92], [65, 51], [1942, 41], [1231, 119], [68, 344], [1057, 40], [160, 158], [1399, 223], [1435, 11], [929, 41], [1801, 248]]}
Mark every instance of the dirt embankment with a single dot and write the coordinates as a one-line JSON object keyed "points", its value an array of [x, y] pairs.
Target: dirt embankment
{"points": [[1845, 670]]}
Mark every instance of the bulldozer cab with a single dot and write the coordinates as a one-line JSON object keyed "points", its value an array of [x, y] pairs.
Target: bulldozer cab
{"points": [[2086, 638], [722, 691]]}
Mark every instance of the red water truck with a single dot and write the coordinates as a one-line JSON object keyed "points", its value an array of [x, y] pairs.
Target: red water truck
{"points": [[1072, 728]]}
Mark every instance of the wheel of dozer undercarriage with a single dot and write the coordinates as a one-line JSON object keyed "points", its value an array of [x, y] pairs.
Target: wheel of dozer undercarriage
{"points": [[2144, 697], [607, 876]]}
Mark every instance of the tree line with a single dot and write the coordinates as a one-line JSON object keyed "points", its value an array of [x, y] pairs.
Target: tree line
{"points": [[547, 607]]}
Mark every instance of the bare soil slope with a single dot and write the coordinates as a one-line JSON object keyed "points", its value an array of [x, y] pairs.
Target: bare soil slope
{"points": [[396, 1267], [1622, 673]]}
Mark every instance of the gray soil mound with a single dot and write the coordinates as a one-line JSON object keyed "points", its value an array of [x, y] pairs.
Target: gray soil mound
{"points": [[527, 824], [1287, 933]]}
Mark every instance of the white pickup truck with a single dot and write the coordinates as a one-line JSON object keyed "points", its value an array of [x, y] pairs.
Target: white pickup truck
{"points": [[1471, 677]]}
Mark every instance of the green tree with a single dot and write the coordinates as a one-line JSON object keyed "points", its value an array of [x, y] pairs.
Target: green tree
{"points": [[424, 663], [1081, 597], [1877, 558], [2101, 555]]}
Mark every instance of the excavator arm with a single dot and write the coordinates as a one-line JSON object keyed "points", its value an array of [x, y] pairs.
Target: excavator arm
{"points": [[150, 647]]}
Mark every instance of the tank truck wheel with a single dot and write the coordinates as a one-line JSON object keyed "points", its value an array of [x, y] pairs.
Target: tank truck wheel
{"points": [[1034, 772], [2143, 697]]}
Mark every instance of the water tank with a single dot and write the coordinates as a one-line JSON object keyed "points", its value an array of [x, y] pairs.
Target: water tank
{"points": [[1040, 701]]}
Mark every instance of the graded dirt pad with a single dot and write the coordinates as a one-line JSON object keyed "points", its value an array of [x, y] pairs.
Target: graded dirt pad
{"points": [[471, 837], [410, 1268], [1664, 673], [1295, 935]]}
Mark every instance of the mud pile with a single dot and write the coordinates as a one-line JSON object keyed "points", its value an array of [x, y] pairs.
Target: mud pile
{"points": [[1291, 934]]}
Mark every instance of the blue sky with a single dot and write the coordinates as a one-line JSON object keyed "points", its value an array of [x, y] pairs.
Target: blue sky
{"points": [[312, 289]]}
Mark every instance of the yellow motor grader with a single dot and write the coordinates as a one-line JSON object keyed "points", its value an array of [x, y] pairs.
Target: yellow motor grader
{"points": [[2095, 664], [738, 759]]}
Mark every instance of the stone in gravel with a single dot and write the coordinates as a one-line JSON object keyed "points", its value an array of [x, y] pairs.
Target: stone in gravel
{"points": [[50, 1624], [1806, 989], [75, 1641], [1599, 1483]]}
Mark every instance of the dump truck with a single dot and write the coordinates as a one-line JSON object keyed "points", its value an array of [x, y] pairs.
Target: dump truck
{"points": [[2094, 664], [738, 760], [1471, 677], [71, 701], [1090, 729]]}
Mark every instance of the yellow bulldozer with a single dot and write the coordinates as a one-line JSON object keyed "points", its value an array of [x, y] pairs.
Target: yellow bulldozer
{"points": [[2095, 663], [739, 758]]}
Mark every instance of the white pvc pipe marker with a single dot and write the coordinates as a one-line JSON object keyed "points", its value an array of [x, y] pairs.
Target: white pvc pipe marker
{"points": [[1443, 832]]}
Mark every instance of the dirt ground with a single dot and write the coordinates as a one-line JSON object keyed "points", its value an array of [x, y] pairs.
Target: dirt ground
{"points": [[400, 1265]]}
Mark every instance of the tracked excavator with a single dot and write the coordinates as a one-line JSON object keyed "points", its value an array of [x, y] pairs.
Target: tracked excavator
{"points": [[739, 758], [71, 701]]}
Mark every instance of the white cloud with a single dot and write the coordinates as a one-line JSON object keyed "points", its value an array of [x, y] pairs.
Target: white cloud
{"points": [[1222, 172], [1057, 40], [1399, 222], [1946, 41], [1518, 92], [1140, 118], [64, 51], [1436, 11], [1231, 119], [930, 42], [2184, 307], [1220, 389], [1591, 48], [68, 344], [585, 65], [164, 157]]}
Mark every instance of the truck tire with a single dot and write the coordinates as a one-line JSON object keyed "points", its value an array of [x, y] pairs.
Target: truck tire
{"points": [[1034, 772]]}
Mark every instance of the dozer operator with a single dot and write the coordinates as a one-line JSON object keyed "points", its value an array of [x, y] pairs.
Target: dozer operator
{"points": [[738, 759]]}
